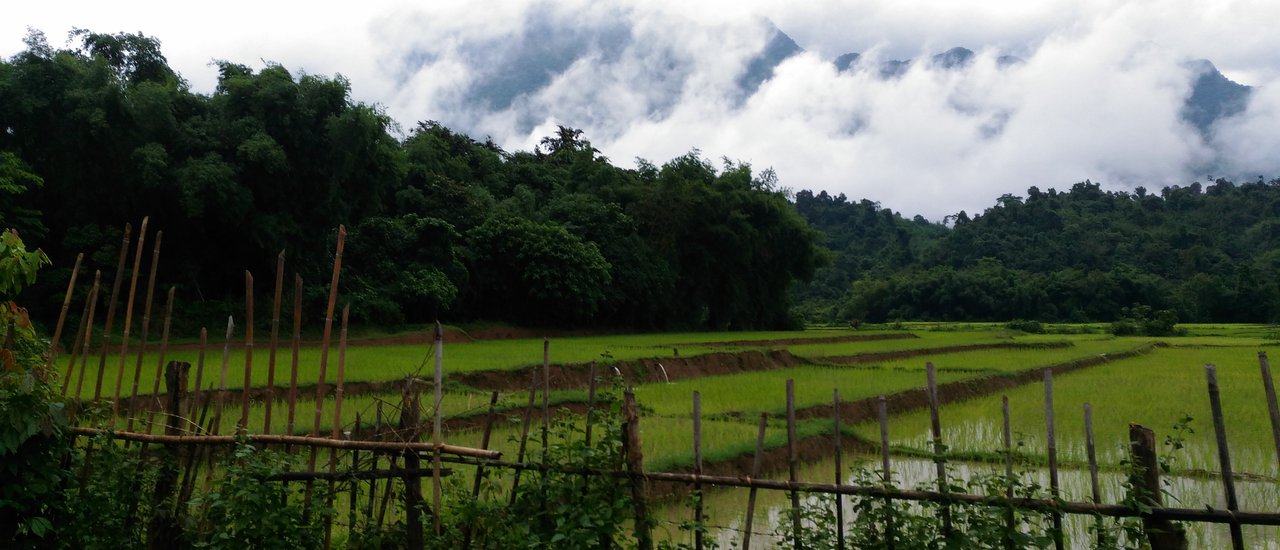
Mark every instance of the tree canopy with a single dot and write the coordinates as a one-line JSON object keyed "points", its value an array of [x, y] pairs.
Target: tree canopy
{"points": [[104, 132]]}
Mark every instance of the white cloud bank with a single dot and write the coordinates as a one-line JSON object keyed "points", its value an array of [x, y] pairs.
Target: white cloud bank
{"points": [[1098, 96]]}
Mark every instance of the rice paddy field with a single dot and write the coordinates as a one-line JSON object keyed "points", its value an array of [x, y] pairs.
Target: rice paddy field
{"points": [[1149, 381]]}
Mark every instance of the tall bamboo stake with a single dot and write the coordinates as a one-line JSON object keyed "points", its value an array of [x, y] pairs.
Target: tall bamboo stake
{"points": [[342, 367], [296, 345], [146, 327], [484, 444], [939, 460], [438, 386], [204, 344], [222, 377], [160, 363], [1095, 490], [546, 395], [756, 464], [524, 436], [839, 450], [243, 424], [321, 388], [82, 337], [1224, 454], [336, 430], [1008, 471], [697, 471], [111, 311], [1269, 387], [886, 473], [793, 461], [88, 335], [275, 338], [1051, 440], [373, 483], [128, 317], [66, 304]]}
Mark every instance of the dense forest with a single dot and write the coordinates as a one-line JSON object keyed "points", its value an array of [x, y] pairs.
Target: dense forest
{"points": [[1206, 253], [441, 225]]}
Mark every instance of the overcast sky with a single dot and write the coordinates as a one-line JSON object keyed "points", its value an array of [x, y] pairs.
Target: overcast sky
{"points": [[1097, 98]]}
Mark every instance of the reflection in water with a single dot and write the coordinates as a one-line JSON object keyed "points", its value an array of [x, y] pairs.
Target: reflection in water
{"points": [[727, 507]]}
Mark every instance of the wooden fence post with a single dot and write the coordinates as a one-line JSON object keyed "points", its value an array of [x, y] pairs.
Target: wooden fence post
{"points": [[634, 456], [1145, 478], [164, 531], [412, 483], [1224, 454]]}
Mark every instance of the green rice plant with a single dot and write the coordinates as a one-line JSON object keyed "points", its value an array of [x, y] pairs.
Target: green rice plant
{"points": [[751, 393], [1153, 390]]}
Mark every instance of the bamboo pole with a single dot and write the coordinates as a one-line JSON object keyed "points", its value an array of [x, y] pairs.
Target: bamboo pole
{"points": [[793, 461], [1009, 481], [336, 429], [935, 426], [321, 388], [1269, 387], [111, 311], [591, 403], [886, 475], [436, 435], [222, 378], [1054, 490], [62, 316], [301, 440], [204, 344], [163, 527], [409, 423], [146, 327], [275, 340], [243, 424], [373, 483], [634, 460], [1095, 490], [160, 362], [697, 471], [1203, 515], [1224, 454], [296, 346], [546, 395], [1144, 480], [524, 437], [756, 464], [338, 391], [484, 444], [839, 450], [90, 305], [128, 317]]}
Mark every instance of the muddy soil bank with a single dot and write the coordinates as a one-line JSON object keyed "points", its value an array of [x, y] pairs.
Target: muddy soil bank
{"points": [[638, 371], [872, 357]]}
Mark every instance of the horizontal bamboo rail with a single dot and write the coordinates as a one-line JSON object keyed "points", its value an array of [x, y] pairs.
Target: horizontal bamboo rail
{"points": [[305, 441], [1041, 505]]}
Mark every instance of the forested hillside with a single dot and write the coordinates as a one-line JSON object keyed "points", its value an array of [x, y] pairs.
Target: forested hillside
{"points": [[1207, 253], [105, 133], [444, 226]]}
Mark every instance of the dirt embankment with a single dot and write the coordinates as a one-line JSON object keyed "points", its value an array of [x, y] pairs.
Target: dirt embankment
{"points": [[638, 371], [904, 401], [801, 341], [908, 353]]}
